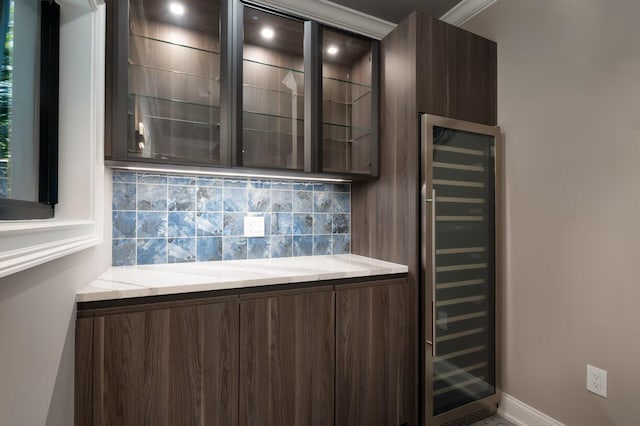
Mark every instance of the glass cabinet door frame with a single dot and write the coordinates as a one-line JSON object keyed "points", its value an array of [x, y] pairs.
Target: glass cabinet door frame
{"points": [[428, 262], [117, 88], [231, 94]]}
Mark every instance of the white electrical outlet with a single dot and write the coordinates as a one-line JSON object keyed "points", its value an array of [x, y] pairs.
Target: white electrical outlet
{"points": [[597, 380], [254, 226]]}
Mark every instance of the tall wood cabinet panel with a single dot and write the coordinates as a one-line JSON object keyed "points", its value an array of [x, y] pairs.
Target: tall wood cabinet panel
{"points": [[426, 66], [287, 359], [373, 382], [173, 366]]}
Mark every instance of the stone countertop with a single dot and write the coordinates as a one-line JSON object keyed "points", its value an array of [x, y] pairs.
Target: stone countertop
{"points": [[121, 282]]}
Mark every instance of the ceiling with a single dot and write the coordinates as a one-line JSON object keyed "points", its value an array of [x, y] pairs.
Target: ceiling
{"points": [[396, 10]]}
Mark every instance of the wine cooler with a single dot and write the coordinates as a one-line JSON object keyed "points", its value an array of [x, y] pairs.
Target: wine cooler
{"points": [[459, 259]]}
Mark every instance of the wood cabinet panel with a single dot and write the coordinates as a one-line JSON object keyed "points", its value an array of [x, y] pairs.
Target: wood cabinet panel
{"points": [[372, 363], [287, 360], [173, 366]]}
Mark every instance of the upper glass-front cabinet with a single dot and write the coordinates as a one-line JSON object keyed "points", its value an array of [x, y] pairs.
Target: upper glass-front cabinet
{"points": [[349, 103], [272, 91], [220, 83], [174, 81]]}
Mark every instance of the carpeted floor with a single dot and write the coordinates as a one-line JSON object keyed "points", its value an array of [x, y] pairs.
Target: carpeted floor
{"points": [[494, 420]]}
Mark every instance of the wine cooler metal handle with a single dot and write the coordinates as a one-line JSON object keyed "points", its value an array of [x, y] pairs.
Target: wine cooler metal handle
{"points": [[432, 341]]}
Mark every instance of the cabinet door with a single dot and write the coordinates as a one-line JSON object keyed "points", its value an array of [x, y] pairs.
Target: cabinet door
{"points": [[173, 366], [272, 69], [349, 103], [287, 359], [373, 386], [166, 84]]}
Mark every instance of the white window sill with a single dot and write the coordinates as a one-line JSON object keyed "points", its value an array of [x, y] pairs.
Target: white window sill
{"points": [[78, 224]]}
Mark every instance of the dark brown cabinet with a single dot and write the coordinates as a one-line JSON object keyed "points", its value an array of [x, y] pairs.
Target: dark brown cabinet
{"points": [[334, 354], [373, 382], [153, 365], [224, 84], [287, 359]]}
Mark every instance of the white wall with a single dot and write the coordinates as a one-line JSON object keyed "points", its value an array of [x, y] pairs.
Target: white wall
{"points": [[37, 306], [569, 106], [37, 326]]}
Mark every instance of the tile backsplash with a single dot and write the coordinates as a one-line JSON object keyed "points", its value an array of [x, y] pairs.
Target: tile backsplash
{"points": [[161, 218]]}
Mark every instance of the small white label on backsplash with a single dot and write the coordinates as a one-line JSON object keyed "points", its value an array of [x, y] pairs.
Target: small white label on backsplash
{"points": [[254, 226]]}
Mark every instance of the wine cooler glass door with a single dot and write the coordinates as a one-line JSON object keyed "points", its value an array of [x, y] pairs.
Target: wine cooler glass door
{"points": [[460, 265]]}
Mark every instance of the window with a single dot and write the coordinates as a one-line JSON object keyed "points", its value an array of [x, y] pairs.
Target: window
{"points": [[29, 39]]}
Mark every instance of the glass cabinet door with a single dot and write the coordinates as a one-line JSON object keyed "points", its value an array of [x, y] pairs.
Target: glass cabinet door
{"points": [[272, 91], [174, 81], [347, 102]]}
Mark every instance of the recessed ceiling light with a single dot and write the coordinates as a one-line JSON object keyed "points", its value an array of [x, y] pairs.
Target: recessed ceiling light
{"points": [[176, 8], [332, 50], [267, 33]]}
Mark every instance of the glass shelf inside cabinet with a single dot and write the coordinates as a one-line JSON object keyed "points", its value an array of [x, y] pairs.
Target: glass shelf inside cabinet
{"points": [[174, 82], [272, 91], [346, 106]]}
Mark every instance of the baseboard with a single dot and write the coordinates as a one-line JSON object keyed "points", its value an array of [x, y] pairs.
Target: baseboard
{"points": [[522, 414]]}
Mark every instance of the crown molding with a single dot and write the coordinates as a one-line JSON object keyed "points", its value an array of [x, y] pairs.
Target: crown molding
{"points": [[333, 14], [465, 10]]}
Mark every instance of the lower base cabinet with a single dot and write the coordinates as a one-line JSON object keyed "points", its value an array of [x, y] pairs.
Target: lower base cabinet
{"points": [[287, 359], [328, 355]]}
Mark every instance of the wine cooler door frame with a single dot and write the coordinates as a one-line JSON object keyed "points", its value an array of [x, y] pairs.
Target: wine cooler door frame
{"points": [[428, 275]]}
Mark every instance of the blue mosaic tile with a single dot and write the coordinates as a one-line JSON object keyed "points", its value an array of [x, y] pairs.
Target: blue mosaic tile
{"points": [[260, 184], [4, 190], [234, 200], [181, 250], [302, 202], [281, 224], [209, 199], [323, 187], [152, 224], [322, 245], [303, 186], [4, 170], [341, 202], [152, 197], [123, 252], [234, 248], [259, 247], [152, 251], [182, 224], [342, 187], [302, 245], [322, 201], [281, 246], [235, 183], [209, 224], [181, 180], [124, 196], [181, 198], [126, 177], [209, 181], [321, 223], [123, 225], [233, 224], [259, 200], [302, 224], [282, 186], [342, 244], [341, 224], [281, 201], [209, 249], [160, 212], [151, 178]]}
